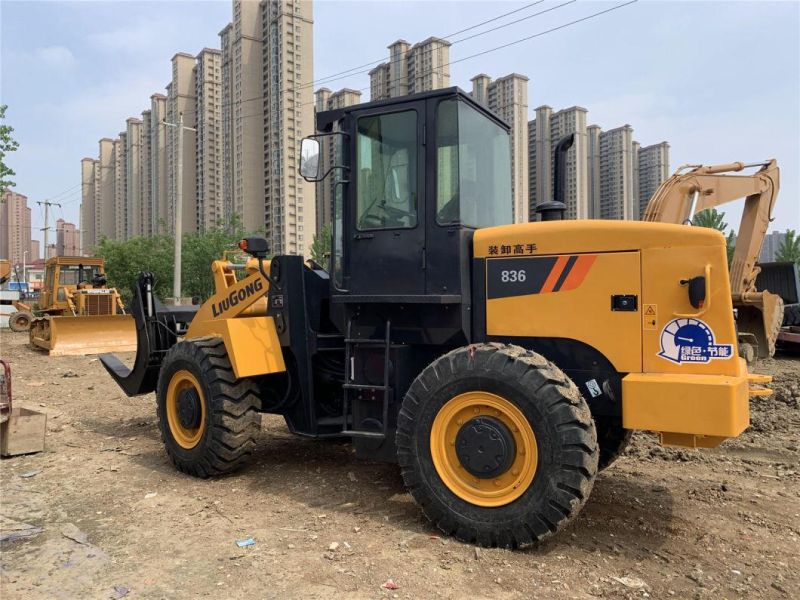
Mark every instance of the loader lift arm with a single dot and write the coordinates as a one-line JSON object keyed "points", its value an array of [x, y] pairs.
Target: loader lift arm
{"points": [[687, 193]]}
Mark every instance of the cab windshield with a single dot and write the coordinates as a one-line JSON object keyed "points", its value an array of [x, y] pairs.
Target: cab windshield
{"points": [[473, 156], [75, 274]]}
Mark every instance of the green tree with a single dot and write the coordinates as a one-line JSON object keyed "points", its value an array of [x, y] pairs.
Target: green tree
{"points": [[789, 250], [198, 251], [321, 246], [711, 218], [126, 259], [7, 144], [730, 242]]}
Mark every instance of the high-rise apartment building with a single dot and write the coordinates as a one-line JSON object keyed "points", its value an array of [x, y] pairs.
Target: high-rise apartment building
{"points": [[653, 169], [411, 69], [772, 242], [268, 106], [507, 97], [133, 178], [15, 227], [326, 100], [288, 115], [158, 164], [208, 139], [105, 218], [146, 176], [89, 174], [545, 131], [593, 167], [617, 198], [181, 103], [67, 239], [120, 186]]}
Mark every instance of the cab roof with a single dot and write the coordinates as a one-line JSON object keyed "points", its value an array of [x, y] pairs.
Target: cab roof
{"points": [[87, 261], [325, 119]]}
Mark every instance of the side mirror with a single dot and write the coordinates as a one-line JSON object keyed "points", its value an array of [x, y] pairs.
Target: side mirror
{"points": [[309, 159]]}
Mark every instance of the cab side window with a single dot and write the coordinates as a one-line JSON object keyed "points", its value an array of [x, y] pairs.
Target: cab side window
{"points": [[386, 151]]}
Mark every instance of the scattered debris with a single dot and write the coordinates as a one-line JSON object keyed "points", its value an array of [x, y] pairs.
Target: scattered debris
{"points": [[390, 585], [334, 546], [245, 543], [351, 476], [631, 582], [477, 553], [149, 495], [70, 374], [120, 591], [30, 474], [35, 383], [18, 531], [76, 535]]}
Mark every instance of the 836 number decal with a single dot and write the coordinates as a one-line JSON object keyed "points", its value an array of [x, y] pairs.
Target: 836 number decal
{"points": [[513, 276]]}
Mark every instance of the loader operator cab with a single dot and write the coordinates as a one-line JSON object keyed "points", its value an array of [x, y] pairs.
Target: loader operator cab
{"points": [[410, 181]]}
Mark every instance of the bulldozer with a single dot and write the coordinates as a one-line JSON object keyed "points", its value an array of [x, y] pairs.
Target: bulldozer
{"points": [[77, 313], [694, 188], [500, 365]]}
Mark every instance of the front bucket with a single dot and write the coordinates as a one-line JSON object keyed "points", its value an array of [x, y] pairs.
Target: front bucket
{"points": [[76, 336]]}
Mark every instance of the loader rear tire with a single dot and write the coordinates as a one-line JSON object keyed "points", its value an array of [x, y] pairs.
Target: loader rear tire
{"points": [[612, 439], [497, 445], [208, 419], [20, 321]]}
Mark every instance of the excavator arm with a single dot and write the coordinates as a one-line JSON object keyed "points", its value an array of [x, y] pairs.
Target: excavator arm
{"points": [[691, 191]]}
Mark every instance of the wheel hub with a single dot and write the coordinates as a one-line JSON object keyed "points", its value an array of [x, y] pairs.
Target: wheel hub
{"points": [[189, 409], [485, 447]]}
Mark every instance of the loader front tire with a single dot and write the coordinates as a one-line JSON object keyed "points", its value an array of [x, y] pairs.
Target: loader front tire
{"points": [[208, 419], [20, 321], [496, 445]]}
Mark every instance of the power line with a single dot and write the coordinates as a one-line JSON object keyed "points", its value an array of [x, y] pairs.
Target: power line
{"points": [[502, 46], [380, 60], [354, 71]]}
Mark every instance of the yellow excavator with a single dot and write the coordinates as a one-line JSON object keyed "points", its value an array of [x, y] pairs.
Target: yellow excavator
{"points": [[78, 313], [694, 188]]}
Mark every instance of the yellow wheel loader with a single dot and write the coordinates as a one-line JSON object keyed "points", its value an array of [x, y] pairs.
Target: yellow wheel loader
{"points": [[694, 188], [78, 313], [500, 365]]}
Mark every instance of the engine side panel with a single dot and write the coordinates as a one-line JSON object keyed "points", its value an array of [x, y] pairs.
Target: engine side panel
{"points": [[569, 296]]}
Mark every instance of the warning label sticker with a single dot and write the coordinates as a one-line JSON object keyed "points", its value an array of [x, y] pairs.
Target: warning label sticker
{"points": [[650, 316]]}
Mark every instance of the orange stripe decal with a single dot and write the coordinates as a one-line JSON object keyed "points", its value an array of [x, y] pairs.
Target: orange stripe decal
{"points": [[555, 273], [578, 272]]}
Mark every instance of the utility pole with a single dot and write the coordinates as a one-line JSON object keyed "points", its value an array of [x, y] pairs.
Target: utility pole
{"points": [[176, 278], [47, 204]]}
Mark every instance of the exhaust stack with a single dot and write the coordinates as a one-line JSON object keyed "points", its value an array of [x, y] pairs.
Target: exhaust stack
{"points": [[554, 211]]}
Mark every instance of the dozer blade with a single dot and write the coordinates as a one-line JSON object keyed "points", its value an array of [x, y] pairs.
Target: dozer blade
{"points": [[76, 336]]}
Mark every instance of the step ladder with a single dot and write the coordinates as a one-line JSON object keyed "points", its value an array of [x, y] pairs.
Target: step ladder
{"points": [[349, 387]]}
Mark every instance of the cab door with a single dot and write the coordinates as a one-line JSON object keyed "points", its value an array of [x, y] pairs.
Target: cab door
{"points": [[386, 213]]}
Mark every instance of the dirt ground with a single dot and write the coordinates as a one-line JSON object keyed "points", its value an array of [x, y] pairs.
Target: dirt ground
{"points": [[102, 514]]}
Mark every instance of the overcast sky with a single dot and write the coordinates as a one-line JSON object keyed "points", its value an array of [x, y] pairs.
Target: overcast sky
{"points": [[720, 81]]}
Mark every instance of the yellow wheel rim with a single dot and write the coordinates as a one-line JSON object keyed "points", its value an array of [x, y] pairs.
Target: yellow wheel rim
{"points": [[186, 437], [507, 486]]}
